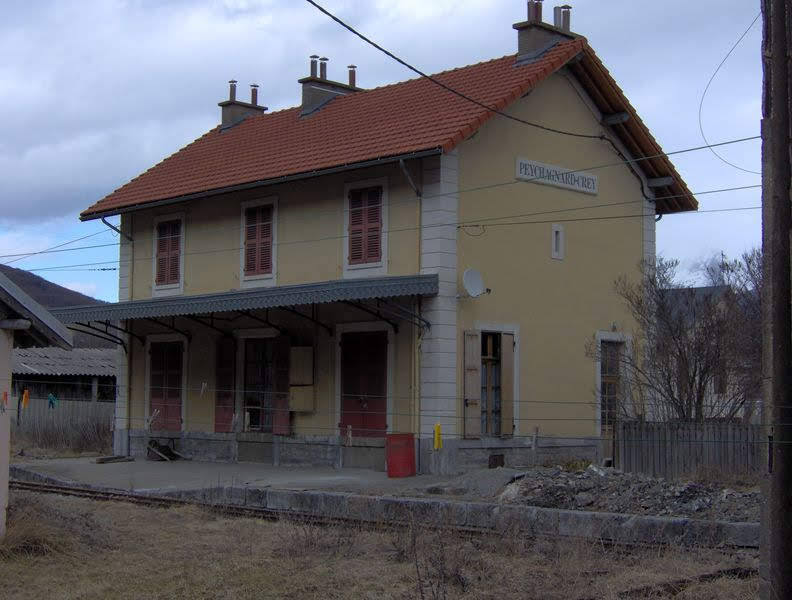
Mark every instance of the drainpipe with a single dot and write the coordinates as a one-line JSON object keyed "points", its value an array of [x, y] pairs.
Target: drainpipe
{"points": [[116, 229]]}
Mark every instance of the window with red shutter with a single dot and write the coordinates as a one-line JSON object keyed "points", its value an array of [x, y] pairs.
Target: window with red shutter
{"points": [[258, 240], [365, 225], [168, 252]]}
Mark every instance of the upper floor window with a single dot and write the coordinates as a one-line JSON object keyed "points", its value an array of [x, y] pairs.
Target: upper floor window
{"points": [[258, 252], [168, 252], [365, 225], [258, 240]]}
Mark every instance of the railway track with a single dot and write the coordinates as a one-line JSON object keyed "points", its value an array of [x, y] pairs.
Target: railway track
{"points": [[270, 514], [273, 514]]}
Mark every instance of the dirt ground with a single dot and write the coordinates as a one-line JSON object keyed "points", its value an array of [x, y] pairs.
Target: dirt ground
{"points": [[60, 547], [609, 490]]}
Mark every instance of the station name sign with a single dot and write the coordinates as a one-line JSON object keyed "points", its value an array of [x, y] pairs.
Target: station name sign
{"points": [[577, 181]]}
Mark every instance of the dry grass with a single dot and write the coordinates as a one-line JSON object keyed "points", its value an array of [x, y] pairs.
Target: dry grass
{"points": [[76, 548], [714, 476], [56, 440]]}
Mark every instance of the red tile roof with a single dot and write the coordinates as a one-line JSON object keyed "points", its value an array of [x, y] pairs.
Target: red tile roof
{"points": [[393, 120]]}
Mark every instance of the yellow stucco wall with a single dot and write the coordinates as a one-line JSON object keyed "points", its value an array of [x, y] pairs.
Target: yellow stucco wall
{"points": [[558, 305], [310, 228]]}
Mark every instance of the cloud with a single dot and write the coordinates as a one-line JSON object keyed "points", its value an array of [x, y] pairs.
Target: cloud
{"points": [[100, 90]]}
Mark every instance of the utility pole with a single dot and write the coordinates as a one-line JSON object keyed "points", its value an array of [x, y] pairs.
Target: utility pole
{"points": [[776, 536]]}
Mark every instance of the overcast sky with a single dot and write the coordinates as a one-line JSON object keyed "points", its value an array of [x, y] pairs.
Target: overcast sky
{"points": [[94, 92]]}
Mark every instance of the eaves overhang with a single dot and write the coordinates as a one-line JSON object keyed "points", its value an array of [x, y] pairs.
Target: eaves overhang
{"points": [[647, 154], [263, 298], [86, 216]]}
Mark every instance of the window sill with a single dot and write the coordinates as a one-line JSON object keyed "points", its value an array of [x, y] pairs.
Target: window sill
{"points": [[364, 269], [253, 281], [166, 290]]}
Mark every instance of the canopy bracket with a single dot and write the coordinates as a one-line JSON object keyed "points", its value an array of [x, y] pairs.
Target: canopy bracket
{"points": [[374, 313], [172, 326], [98, 333], [311, 319]]}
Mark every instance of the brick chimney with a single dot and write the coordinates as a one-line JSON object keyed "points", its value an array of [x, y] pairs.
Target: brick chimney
{"points": [[318, 90], [535, 37], [233, 111]]}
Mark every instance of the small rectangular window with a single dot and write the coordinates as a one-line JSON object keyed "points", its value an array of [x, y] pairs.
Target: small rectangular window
{"points": [[258, 240], [365, 225], [557, 241], [168, 252]]}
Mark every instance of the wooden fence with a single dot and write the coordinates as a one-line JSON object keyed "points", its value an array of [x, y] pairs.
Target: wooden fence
{"points": [[677, 450]]}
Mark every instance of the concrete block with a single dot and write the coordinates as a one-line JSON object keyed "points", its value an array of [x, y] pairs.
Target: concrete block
{"points": [[282, 499], [368, 508], [480, 515], [256, 497]]}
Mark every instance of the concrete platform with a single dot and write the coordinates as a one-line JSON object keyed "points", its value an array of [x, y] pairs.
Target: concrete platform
{"points": [[363, 495], [142, 475]]}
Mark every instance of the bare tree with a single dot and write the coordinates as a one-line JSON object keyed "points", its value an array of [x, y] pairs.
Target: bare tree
{"points": [[695, 350]]}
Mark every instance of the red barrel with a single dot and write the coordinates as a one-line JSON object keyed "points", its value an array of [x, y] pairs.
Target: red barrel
{"points": [[400, 454]]}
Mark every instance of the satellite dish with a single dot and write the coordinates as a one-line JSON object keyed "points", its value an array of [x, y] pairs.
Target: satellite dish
{"points": [[473, 283]]}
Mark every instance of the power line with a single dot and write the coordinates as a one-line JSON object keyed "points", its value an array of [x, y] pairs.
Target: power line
{"points": [[706, 89], [57, 249], [403, 229], [447, 87], [486, 187], [52, 248]]}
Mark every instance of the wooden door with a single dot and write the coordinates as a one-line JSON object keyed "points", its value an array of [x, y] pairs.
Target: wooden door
{"points": [[472, 384], [165, 385], [364, 383]]}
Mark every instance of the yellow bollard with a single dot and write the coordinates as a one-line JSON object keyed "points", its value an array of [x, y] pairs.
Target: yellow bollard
{"points": [[438, 437]]}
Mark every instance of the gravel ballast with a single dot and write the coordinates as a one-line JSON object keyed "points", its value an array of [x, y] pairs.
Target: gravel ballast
{"points": [[609, 490]]}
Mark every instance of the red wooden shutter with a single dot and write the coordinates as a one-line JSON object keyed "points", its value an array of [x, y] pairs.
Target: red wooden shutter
{"points": [[258, 240], [357, 218], [365, 225], [265, 239], [168, 252], [374, 225]]}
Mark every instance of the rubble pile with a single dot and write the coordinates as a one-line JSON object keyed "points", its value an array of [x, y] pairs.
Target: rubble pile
{"points": [[610, 490]]}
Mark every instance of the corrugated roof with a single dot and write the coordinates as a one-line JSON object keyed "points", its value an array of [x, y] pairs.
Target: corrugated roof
{"points": [[408, 117], [56, 361], [287, 295]]}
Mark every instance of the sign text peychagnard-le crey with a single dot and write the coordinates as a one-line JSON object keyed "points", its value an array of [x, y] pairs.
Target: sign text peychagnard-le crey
{"points": [[530, 170]]}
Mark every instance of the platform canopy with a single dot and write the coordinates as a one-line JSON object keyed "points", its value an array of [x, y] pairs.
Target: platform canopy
{"points": [[344, 290]]}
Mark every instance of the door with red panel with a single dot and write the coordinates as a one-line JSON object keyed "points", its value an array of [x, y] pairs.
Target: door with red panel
{"points": [[165, 385], [364, 383]]}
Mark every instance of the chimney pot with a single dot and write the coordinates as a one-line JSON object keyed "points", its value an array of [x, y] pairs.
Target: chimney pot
{"points": [[254, 94], [314, 58], [323, 67], [534, 11], [352, 75], [557, 17], [232, 89], [566, 17]]}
